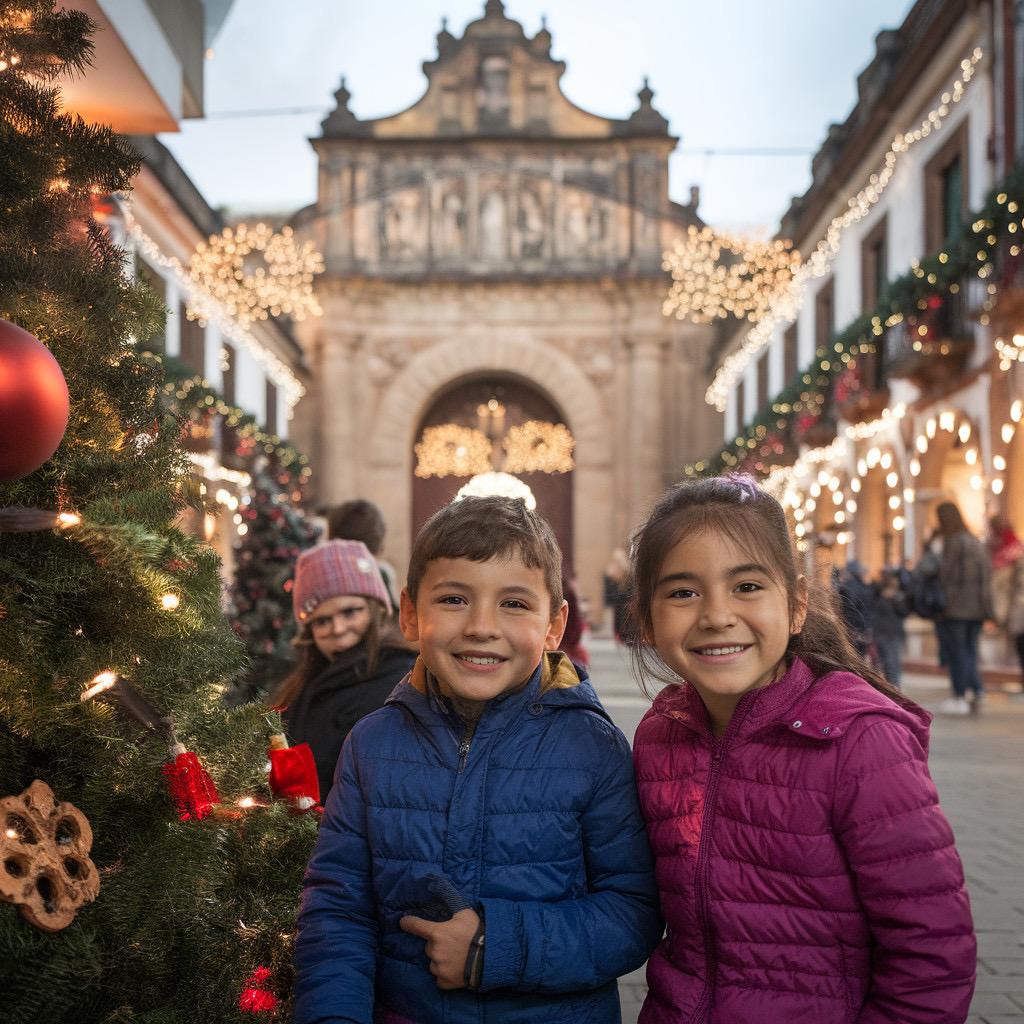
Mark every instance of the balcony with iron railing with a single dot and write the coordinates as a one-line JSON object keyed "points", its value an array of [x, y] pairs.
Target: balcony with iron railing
{"points": [[931, 350]]}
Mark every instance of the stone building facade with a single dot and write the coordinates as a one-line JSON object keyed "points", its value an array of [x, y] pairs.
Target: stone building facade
{"points": [[495, 239]]}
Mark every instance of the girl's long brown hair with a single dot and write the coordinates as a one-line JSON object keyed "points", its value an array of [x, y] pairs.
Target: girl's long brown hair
{"points": [[380, 633], [754, 521]]}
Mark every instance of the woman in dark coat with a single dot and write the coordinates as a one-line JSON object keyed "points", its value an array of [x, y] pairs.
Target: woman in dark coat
{"points": [[965, 573], [350, 655]]}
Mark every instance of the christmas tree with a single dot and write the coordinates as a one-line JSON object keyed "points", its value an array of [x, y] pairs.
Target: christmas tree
{"points": [[113, 648], [276, 531]]}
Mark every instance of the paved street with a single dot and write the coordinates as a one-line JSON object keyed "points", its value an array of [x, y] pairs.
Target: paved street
{"points": [[978, 766]]}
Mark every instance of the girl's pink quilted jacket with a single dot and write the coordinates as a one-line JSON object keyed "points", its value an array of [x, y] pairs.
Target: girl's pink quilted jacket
{"points": [[807, 874]]}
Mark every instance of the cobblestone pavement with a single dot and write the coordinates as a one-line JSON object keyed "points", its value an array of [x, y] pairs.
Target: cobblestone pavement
{"points": [[978, 766]]}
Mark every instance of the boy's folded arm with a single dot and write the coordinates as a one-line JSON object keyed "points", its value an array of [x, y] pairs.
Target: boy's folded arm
{"points": [[336, 946], [577, 944]]}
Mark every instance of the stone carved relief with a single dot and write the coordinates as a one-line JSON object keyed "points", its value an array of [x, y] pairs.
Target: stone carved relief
{"points": [[492, 95], [585, 225], [531, 222], [386, 356], [597, 226], [493, 232], [450, 234], [402, 230], [599, 367], [478, 210]]}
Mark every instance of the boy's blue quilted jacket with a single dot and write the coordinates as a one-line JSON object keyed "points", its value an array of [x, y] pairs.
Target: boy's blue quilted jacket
{"points": [[537, 824]]}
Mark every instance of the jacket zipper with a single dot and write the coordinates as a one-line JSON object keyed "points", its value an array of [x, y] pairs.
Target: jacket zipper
{"points": [[718, 747], [464, 750]]}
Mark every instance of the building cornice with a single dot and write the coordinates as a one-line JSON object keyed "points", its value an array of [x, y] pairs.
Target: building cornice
{"points": [[928, 25]]}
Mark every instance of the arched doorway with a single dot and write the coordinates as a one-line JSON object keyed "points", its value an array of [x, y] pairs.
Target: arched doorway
{"points": [[951, 469], [492, 404]]}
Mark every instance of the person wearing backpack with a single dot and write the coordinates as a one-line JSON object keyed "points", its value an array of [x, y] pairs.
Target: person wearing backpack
{"points": [[965, 576]]}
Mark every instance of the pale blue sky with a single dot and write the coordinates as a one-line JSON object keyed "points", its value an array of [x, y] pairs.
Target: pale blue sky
{"points": [[731, 74]]}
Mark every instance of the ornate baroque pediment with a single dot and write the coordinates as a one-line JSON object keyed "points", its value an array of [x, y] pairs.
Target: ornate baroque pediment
{"points": [[494, 171], [494, 81]]}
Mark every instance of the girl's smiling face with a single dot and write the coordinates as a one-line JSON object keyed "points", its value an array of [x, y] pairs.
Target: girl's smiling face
{"points": [[721, 619]]}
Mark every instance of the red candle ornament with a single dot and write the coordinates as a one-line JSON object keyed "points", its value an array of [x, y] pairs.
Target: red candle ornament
{"points": [[189, 783], [33, 403], [293, 773]]}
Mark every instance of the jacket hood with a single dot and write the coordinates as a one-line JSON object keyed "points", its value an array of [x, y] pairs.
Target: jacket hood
{"points": [[555, 683], [821, 708]]}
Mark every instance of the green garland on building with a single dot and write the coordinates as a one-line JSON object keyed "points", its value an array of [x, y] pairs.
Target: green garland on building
{"points": [[912, 297], [195, 399]]}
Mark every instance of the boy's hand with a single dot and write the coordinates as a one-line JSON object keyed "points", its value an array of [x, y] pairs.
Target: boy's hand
{"points": [[447, 945]]}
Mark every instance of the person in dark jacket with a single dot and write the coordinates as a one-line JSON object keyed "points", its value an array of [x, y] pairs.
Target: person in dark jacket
{"points": [[481, 856], [965, 572], [855, 601], [889, 609], [350, 657]]}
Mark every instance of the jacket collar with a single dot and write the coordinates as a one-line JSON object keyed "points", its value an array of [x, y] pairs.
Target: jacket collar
{"points": [[555, 683], [820, 709]]}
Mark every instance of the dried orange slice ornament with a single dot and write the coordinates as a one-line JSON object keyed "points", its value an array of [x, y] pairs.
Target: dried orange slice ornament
{"points": [[45, 868]]}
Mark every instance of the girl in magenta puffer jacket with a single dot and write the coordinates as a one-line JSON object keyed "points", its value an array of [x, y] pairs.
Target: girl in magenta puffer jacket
{"points": [[807, 873]]}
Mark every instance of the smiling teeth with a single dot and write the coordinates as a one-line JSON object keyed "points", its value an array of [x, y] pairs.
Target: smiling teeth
{"points": [[480, 661], [721, 650]]}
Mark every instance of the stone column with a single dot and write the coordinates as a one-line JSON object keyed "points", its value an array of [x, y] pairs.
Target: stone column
{"points": [[645, 424], [340, 444]]}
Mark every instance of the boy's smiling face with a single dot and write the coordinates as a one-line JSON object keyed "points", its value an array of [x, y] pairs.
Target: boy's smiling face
{"points": [[482, 626]]}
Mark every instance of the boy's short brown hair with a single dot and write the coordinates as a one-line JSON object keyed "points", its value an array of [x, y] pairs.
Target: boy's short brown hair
{"points": [[488, 527]]}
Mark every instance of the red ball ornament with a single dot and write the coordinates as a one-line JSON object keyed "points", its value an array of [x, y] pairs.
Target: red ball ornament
{"points": [[33, 403]]}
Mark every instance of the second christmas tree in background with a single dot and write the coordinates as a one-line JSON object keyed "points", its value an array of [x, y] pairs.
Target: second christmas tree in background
{"points": [[276, 531]]}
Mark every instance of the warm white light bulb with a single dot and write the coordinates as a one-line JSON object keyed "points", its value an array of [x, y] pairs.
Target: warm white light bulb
{"points": [[103, 681]]}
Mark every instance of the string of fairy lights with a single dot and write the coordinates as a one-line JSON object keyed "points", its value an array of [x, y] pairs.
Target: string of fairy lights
{"points": [[452, 450], [208, 308], [787, 301], [535, 446], [538, 447], [282, 282], [909, 327], [716, 275], [884, 460], [838, 475]]}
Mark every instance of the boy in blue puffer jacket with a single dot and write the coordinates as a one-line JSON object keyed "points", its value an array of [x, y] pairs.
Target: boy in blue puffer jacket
{"points": [[482, 857]]}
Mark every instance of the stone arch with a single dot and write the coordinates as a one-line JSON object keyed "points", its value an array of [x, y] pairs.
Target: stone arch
{"points": [[945, 472], [413, 388], [411, 391]]}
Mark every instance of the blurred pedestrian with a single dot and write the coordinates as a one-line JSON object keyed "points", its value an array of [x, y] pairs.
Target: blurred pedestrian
{"points": [[965, 575], [351, 655], [616, 591], [855, 604], [362, 520], [573, 643], [888, 612], [1015, 612], [1007, 554]]}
